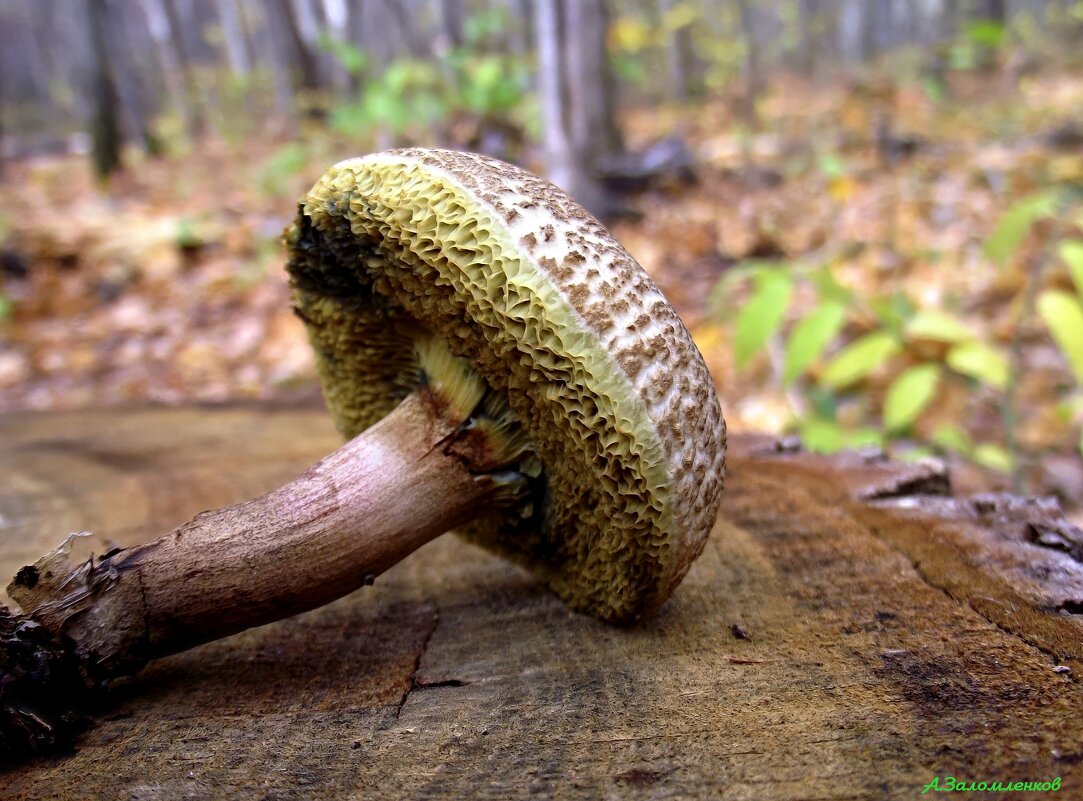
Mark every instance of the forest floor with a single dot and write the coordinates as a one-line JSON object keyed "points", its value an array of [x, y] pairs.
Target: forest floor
{"points": [[167, 285]]}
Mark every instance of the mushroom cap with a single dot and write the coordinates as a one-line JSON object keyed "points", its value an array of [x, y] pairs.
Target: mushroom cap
{"points": [[557, 318]]}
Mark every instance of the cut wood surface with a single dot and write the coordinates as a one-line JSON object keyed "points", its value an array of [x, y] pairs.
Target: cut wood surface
{"points": [[850, 632]]}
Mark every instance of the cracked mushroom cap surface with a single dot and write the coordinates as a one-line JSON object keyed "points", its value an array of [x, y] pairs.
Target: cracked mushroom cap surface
{"points": [[558, 319]]}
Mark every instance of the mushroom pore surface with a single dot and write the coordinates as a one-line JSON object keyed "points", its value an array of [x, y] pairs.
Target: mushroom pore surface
{"points": [[559, 320]]}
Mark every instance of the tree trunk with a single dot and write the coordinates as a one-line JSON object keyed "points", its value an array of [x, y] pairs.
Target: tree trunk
{"points": [[277, 55], [121, 32], [575, 89], [417, 44], [196, 122], [336, 21], [811, 22], [559, 158], [105, 125], [680, 56], [751, 68], [588, 79], [851, 631], [236, 47], [164, 24], [949, 19], [451, 22], [870, 12], [3, 115], [303, 58], [992, 10]]}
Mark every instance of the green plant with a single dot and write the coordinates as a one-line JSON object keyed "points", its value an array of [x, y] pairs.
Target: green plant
{"points": [[978, 45], [407, 96], [5, 301], [863, 369], [352, 58], [410, 96], [1062, 313], [486, 80], [187, 234], [286, 162], [829, 375]]}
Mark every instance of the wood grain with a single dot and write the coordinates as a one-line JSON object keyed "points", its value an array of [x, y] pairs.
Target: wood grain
{"points": [[844, 635]]}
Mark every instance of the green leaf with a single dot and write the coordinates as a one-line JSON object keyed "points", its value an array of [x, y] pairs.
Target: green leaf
{"points": [[893, 311], [1071, 252], [482, 25], [351, 119], [822, 402], [986, 33], [721, 301], [979, 361], [1014, 224], [862, 438], [1062, 313], [628, 68], [353, 59], [1072, 407], [915, 454], [934, 89], [809, 338], [283, 164], [762, 315], [859, 358], [186, 235], [952, 438], [938, 326], [828, 287], [993, 456], [821, 436], [832, 165], [909, 394]]}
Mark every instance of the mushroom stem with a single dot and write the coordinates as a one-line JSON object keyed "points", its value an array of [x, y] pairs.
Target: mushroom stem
{"points": [[342, 522]]}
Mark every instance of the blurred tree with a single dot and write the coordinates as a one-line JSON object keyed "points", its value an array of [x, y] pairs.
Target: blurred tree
{"points": [[576, 95], [680, 53], [668, 49], [133, 93], [240, 63], [164, 23], [451, 22], [992, 10], [751, 66], [105, 125], [196, 120], [2, 149], [296, 16], [812, 18]]}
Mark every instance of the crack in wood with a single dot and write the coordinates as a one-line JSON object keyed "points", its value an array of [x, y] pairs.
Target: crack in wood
{"points": [[412, 682], [969, 602]]}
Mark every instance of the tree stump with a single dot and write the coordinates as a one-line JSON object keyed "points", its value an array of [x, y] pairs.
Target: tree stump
{"points": [[851, 631]]}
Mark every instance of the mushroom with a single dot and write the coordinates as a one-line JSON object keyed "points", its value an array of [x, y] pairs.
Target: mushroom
{"points": [[502, 368]]}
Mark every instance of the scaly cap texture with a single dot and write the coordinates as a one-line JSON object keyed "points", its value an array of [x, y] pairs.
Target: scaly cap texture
{"points": [[554, 315]]}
